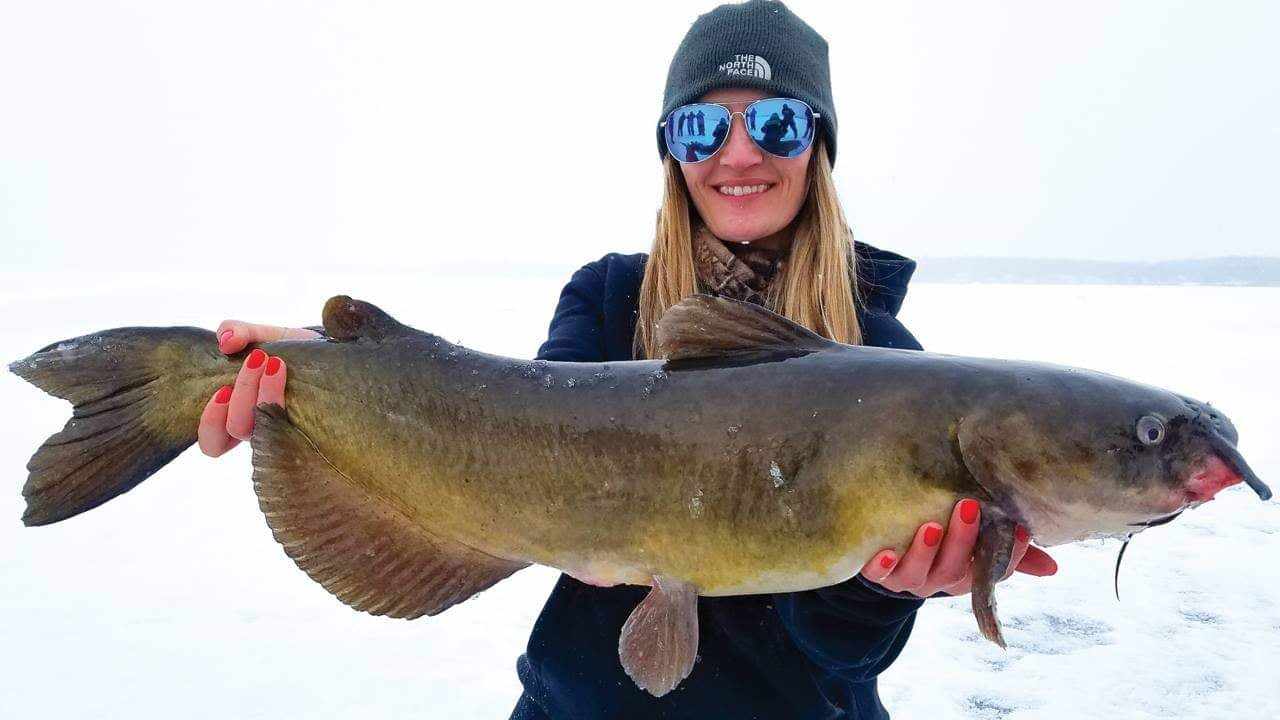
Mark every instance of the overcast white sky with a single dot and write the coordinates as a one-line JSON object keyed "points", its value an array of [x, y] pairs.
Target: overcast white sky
{"points": [[167, 134]]}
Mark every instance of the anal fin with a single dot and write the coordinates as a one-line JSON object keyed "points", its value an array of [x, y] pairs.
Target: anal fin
{"points": [[991, 557], [659, 641], [359, 546]]}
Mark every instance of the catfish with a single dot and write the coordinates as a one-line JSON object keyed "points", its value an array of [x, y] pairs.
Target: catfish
{"points": [[406, 473]]}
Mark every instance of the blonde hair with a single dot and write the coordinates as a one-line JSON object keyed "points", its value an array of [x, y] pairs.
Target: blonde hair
{"points": [[817, 287]]}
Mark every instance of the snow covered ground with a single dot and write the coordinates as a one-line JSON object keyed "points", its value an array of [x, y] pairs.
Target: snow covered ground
{"points": [[175, 601]]}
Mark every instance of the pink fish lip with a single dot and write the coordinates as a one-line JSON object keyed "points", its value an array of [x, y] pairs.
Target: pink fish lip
{"points": [[1211, 476]]}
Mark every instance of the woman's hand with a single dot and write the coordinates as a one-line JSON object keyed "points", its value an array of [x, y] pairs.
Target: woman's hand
{"points": [[228, 416], [943, 562]]}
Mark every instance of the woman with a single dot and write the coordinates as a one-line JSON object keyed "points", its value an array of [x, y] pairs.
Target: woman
{"points": [[748, 135]]}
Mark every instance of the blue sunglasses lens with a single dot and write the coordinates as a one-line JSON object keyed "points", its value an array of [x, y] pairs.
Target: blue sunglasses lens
{"points": [[695, 132], [781, 126]]}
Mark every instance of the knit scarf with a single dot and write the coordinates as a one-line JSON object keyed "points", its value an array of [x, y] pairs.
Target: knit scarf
{"points": [[732, 270]]}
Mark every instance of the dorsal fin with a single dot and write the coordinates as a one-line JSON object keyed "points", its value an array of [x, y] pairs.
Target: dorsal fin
{"points": [[349, 319], [707, 331]]}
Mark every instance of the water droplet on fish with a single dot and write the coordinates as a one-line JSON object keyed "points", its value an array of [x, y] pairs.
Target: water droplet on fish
{"points": [[570, 382], [775, 472], [475, 372], [733, 429], [548, 381]]}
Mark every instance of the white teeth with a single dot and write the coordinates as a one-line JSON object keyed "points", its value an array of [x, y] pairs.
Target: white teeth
{"points": [[737, 190]]}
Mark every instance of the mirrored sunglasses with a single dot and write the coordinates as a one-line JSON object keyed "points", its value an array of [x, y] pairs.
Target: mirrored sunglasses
{"points": [[780, 126]]}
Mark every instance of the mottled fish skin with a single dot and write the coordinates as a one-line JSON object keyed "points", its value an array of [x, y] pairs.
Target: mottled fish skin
{"points": [[767, 477], [627, 468]]}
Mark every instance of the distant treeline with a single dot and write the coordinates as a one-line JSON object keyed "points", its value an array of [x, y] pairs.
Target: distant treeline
{"points": [[1209, 271]]}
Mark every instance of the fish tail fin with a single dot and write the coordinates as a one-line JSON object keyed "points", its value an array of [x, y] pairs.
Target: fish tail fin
{"points": [[137, 394]]}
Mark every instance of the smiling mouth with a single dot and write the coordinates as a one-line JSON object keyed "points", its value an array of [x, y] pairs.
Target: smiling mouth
{"points": [[744, 190]]}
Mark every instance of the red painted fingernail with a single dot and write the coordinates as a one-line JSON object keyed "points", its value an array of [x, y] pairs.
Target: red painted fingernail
{"points": [[932, 535], [226, 335], [887, 561], [223, 395], [273, 365], [1021, 534], [968, 511], [255, 359]]}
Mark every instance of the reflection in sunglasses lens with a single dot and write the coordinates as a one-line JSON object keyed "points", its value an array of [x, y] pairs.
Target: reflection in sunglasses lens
{"points": [[780, 126], [695, 132]]}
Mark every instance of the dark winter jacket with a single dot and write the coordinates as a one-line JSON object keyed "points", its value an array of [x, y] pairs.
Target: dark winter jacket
{"points": [[805, 655]]}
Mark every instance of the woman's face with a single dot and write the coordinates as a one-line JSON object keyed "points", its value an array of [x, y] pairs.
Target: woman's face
{"points": [[755, 216]]}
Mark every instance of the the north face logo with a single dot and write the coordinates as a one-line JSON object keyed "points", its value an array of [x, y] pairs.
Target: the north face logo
{"points": [[748, 65]]}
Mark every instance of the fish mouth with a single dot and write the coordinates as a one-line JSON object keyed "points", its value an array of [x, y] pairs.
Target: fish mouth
{"points": [[1211, 476], [1222, 437], [1224, 468]]}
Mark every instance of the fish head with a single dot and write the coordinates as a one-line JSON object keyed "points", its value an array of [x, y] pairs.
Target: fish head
{"points": [[1089, 455]]}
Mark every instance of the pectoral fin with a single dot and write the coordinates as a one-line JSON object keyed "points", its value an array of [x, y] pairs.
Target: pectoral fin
{"points": [[659, 641], [991, 557]]}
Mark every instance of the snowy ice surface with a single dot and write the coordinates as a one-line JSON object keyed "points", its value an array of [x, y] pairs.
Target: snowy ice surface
{"points": [[174, 600]]}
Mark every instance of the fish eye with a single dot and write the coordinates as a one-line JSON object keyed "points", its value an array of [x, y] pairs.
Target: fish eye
{"points": [[1150, 430]]}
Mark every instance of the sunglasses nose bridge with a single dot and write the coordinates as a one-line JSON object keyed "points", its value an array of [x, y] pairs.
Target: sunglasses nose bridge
{"points": [[739, 148]]}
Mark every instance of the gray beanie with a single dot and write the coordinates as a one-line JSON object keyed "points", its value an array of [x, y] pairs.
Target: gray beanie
{"points": [[757, 44]]}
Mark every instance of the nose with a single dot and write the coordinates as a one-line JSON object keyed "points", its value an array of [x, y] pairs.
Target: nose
{"points": [[739, 152]]}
